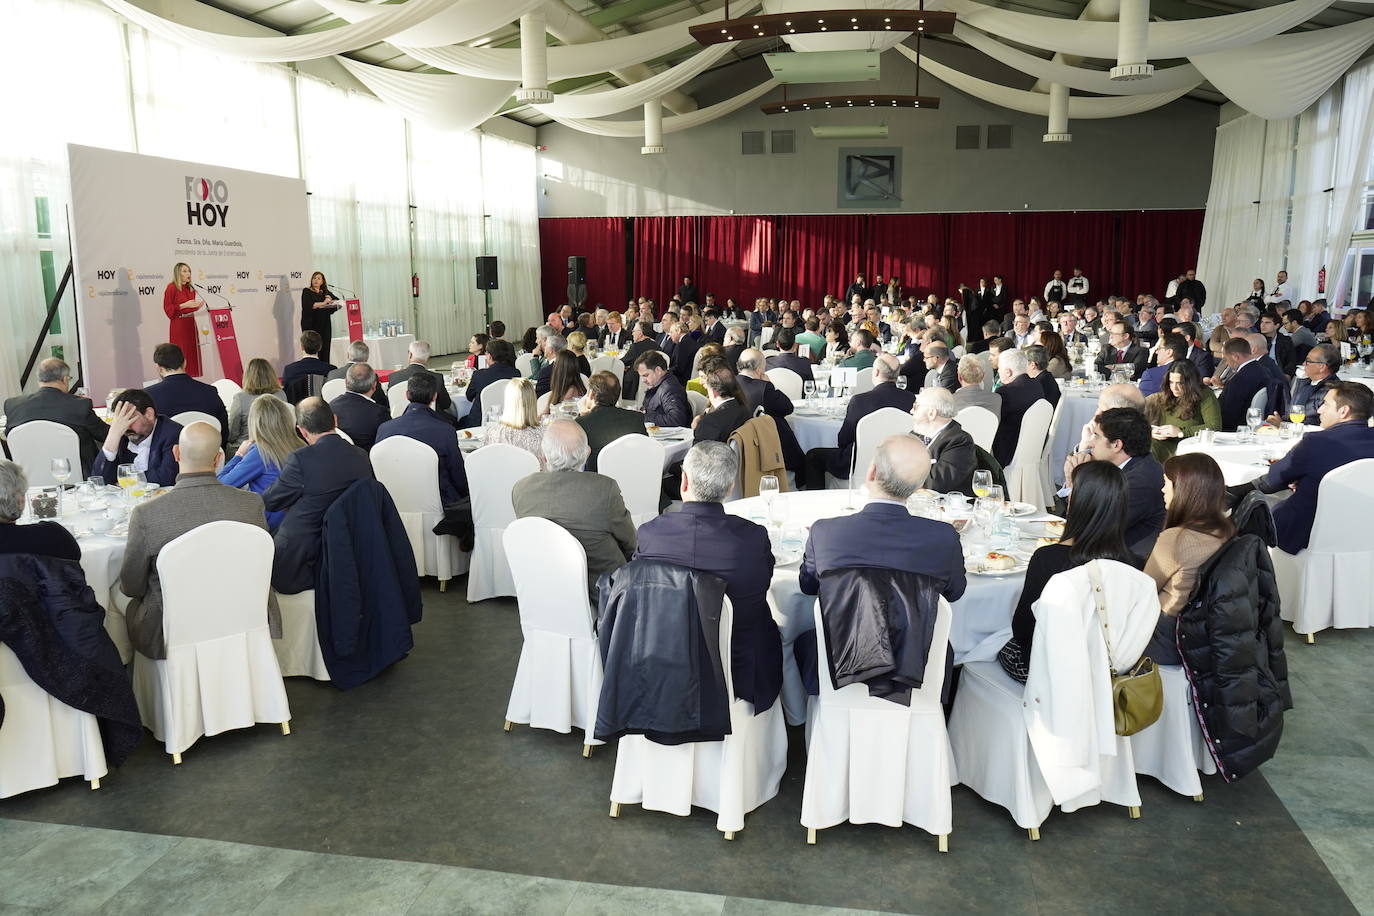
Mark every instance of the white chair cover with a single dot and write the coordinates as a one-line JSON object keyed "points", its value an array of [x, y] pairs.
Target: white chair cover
{"points": [[1261, 401], [298, 650], [36, 443], [187, 417], [492, 474], [1048, 473], [494, 395], [524, 363], [42, 739], [396, 397], [958, 352], [872, 761], [333, 388], [636, 463], [1331, 583], [786, 381], [344, 436], [609, 364], [221, 671], [409, 470], [730, 777], [227, 388], [697, 401], [558, 680], [868, 433], [1173, 750], [981, 424], [1024, 480], [863, 381]]}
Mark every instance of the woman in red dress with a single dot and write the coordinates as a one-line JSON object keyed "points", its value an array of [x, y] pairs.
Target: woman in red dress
{"points": [[181, 303]]}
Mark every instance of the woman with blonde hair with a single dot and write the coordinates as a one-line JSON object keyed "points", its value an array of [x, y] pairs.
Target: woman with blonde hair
{"points": [[519, 424], [577, 343], [258, 379], [180, 303], [271, 440], [698, 383]]}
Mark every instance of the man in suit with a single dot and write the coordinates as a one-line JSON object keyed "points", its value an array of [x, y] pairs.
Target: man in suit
{"points": [[310, 481], [687, 292], [419, 354], [858, 288], [684, 352], [885, 393], [971, 392], [1068, 330], [1198, 352], [178, 392], [703, 537], [884, 534], [1190, 287], [665, 400], [714, 329], [1319, 317], [356, 412], [358, 352], [941, 370], [309, 364], [602, 420], [860, 350], [787, 357], [421, 423], [1001, 298], [1248, 379], [1037, 367], [728, 408], [734, 346], [140, 436], [1303, 339], [585, 504], [758, 390], [1121, 436], [614, 335], [500, 365], [52, 402], [1018, 392], [1122, 350], [1171, 347], [1280, 347], [197, 498], [1321, 365], [1345, 436], [642, 341], [990, 330], [952, 456]]}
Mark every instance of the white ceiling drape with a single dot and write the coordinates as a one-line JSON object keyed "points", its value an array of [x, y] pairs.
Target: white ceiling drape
{"points": [[439, 100], [610, 101], [461, 20], [672, 123]]}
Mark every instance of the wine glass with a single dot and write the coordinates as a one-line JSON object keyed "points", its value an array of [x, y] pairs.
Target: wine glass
{"points": [[1254, 418], [1297, 413], [809, 389], [982, 483], [61, 472], [768, 489], [128, 477], [901, 382], [140, 486]]}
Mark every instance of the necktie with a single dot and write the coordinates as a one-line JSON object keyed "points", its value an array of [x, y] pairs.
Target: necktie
{"points": [[1121, 356]]}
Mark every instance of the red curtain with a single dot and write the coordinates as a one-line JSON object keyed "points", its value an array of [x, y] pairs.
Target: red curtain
{"points": [[818, 255], [1157, 246], [1047, 242], [665, 251], [601, 240], [913, 247], [735, 256]]}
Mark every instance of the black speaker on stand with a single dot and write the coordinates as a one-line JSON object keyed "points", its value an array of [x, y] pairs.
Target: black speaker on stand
{"points": [[577, 280], [486, 279]]}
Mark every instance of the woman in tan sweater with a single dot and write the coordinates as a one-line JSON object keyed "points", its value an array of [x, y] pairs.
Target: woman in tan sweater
{"points": [[1194, 529]]}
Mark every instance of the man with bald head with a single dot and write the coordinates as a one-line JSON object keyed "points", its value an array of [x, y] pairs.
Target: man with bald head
{"points": [[197, 499]]}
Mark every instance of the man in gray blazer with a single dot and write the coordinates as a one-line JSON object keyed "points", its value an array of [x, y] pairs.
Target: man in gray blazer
{"points": [[197, 498], [971, 392], [52, 401], [588, 505]]}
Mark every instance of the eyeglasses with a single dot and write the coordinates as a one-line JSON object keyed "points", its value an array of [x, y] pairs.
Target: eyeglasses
{"points": [[1314, 362]]}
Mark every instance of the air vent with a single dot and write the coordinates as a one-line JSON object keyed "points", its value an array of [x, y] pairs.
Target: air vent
{"points": [[968, 136], [784, 141], [999, 136], [751, 143]]}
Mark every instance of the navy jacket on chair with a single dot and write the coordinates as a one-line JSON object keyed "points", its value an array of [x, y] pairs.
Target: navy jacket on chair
{"points": [[421, 423], [307, 365], [162, 466], [480, 380]]}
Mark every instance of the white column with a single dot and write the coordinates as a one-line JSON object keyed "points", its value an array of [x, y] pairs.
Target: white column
{"points": [[653, 128], [534, 61], [1132, 36], [1059, 115]]}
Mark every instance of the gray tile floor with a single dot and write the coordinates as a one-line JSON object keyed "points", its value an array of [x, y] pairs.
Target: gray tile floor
{"points": [[406, 796]]}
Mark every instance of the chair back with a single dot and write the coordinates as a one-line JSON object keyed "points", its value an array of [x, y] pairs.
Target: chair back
{"points": [[307, 386], [524, 363], [396, 397], [187, 417], [873, 429], [492, 474], [1261, 400], [989, 376], [980, 423], [786, 381], [227, 388], [344, 436], [215, 582], [1344, 499], [1035, 426], [698, 403], [409, 470], [609, 364], [863, 381], [333, 388], [636, 463], [494, 395], [33, 446], [542, 401], [549, 568], [958, 352]]}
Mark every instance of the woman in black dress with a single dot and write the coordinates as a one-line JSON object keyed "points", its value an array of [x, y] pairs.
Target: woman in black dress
{"points": [[317, 304]]}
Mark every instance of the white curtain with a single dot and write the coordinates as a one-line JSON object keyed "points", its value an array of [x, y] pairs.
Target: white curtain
{"points": [[1312, 180], [672, 122], [610, 101], [439, 100], [1354, 168], [512, 229], [1275, 196], [461, 21], [1226, 258]]}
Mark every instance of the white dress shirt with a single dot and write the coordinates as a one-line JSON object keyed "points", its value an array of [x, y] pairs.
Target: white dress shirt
{"points": [[1282, 292], [140, 451], [1078, 285]]}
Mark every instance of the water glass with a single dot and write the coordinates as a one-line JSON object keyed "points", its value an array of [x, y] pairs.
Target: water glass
{"points": [[1254, 418], [809, 389], [1244, 435]]}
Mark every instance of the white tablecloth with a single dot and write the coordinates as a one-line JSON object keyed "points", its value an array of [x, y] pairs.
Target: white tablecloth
{"points": [[821, 430], [1077, 408], [982, 617], [387, 353], [1361, 375], [1239, 463]]}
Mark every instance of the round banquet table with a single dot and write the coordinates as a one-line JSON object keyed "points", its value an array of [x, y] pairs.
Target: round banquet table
{"points": [[1239, 463], [1077, 407], [675, 447], [817, 423], [384, 352], [1361, 374], [981, 624]]}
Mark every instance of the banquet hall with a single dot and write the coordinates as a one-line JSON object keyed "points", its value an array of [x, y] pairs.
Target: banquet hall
{"points": [[687, 456]]}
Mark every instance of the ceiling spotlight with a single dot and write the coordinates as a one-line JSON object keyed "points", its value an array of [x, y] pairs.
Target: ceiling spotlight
{"points": [[820, 20], [852, 19], [919, 29], [722, 31], [856, 26], [920, 22], [822, 28], [787, 23], [793, 31], [888, 27], [887, 20]]}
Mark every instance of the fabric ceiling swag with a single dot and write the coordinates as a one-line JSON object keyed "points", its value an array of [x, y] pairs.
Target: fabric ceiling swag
{"points": [[567, 61], [1038, 103], [438, 100], [459, 21], [280, 49], [1279, 77], [1181, 38], [675, 122], [1081, 78], [610, 101]]}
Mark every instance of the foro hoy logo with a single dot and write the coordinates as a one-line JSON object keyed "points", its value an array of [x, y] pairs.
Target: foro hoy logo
{"points": [[269, 288], [207, 202], [146, 290], [105, 274]]}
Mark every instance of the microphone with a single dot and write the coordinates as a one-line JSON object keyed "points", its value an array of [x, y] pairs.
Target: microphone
{"points": [[213, 293], [343, 289]]}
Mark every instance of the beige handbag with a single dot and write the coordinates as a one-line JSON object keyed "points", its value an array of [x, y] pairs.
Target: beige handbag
{"points": [[1138, 694]]}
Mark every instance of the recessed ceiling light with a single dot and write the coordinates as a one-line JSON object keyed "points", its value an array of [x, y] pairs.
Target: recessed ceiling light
{"points": [[888, 27], [792, 30], [787, 23], [856, 26], [852, 19], [822, 28], [920, 22], [887, 20], [919, 29], [722, 31], [820, 20]]}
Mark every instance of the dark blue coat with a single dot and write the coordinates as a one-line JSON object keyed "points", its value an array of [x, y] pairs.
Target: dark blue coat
{"points": [[421, 423], [886, 394], [887, 536], [360, 416], [179, 393], [308, 365], [1017, 397], [1315, 455], [162, 465], [1240, 390], [1204, 360], [704, 538], [480, 380], [367, 595], [1144, 503]]}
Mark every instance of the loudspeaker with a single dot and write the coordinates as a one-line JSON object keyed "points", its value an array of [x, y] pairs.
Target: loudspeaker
{"points": [[486, 272], [577, 270]]}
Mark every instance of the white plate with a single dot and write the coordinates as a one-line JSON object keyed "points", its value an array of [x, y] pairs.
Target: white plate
{"points": [[974, 569], [1019, 509], [666, 432]]}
